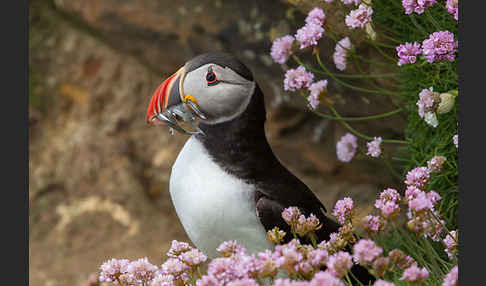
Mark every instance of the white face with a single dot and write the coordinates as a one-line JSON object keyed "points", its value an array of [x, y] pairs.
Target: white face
{"points": [[223, 100]]}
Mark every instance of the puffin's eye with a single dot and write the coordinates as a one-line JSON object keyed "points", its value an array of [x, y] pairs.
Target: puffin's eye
{"points": [[211, 78]]}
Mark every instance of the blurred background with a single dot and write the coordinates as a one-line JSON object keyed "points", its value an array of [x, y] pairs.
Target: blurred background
{"points": [[99, 175]]}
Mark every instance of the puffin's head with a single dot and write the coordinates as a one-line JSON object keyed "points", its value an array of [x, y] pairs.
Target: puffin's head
{"points": [[216, 87]]}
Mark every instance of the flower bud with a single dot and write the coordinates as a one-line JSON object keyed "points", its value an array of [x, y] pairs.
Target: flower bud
{"points": [[447, 101]]}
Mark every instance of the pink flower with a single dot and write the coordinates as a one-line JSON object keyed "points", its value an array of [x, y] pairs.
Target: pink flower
{"points": [[309, 35], [297, 79], [282, 49], [387, 202], [365, 251], [359, 17], [415, 275], [374, 149], [452, 6], [373, 224], [175, 267], [408, 53], [288, 254], [112, 269], [307, 225], [317, 257], [417, 6], [207, 280], [316, 16], [418, 177], [451, 244], [428, 101], [230, 247], [341, 53], [315, 90], [455, 139], [193, 257], [383, 283], [163, 280], [324, 278], [267, 263], [349, 2], [339, 263], [291, 215], [346, 147], [243, 282], [435, 164], [411, 192], [139, 271], [421, 202], [439, 46], [343, 210], [177, 247], [451, 279]]}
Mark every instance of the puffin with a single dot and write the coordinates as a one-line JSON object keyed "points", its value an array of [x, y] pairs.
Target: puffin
{"points": [[226, 183]]}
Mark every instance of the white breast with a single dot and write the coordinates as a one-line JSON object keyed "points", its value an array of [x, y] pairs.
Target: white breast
{"points": [[213, 205]]}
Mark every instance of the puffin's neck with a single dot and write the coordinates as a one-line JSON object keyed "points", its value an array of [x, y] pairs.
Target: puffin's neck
{"points": [[240, 146]]}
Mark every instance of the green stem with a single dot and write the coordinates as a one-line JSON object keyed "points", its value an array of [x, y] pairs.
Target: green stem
{"points": [[361, 134], [349, 85], [417, 25], [432, 20], [328, 116]]}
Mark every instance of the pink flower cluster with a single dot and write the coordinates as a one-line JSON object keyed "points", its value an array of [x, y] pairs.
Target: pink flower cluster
{"points": [[297, 79], [418, 177], [316, 89], [450, 242], [427, 106], [388, 203], [436, 163], [127, 272], [358, 18], [415, 275], [282, 49], [417, 6], [312, 31], [299, 223], [373, 224], [408, 53], [439, 46], [453, 8], [343, 210], [340, 55], [374, 149], [451, 279], [346, 147], [365, 251]]}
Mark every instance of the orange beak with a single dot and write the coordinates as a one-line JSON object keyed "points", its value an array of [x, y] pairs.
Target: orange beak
{"points": [[169, 93]]}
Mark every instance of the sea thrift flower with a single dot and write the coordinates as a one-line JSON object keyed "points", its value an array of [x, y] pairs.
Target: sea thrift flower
{"points": [[380, 266], [206, 280], [316, 89], [346, 147], [427, 104], [177, 247], [435, 164], [139, 271], [415, 275], [297, 79], [243, 282], [455, 139], [307, 225], [358, 18], [400, 259], [373, 224], [291, 215], [452, 6], [388, 203], [450, 242], [324, 278], [317, 257], [230, 247], [162, 280], [343, 210], [365, 251], [418, 177], [339, 263], [420, 203], [439, 46], [175, 267], [275, 235], [349, 2], [408, 53], [341, 53], [282, 49], [374, 149], [316, 16], [193, 257], [268, 264], [309, 35], [417, 6], [383, 283], [112, 269], [451, 279]]}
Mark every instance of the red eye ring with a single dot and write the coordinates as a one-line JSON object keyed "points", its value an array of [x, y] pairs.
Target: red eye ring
{"points": [[211, 77]]}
